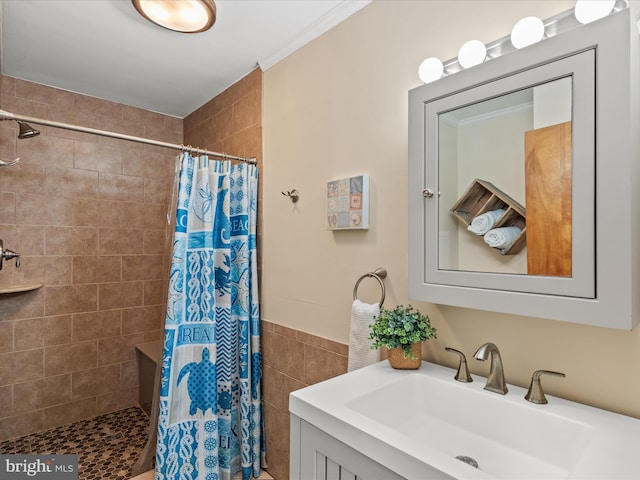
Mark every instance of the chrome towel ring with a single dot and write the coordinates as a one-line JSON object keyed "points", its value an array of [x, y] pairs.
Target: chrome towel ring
{"points": [[378, 274]]}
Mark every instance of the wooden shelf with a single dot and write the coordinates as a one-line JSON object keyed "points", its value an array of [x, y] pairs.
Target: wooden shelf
{"points": [[20, 288], [483, 196]]}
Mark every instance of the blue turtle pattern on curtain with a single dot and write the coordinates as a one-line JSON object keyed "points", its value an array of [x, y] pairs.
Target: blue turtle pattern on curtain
{"points": [[210, 424]]}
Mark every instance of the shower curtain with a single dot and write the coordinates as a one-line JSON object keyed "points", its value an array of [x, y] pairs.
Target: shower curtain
{"points": [[210, 424]]}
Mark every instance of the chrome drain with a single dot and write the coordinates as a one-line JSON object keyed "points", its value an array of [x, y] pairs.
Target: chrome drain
{"points": [[467, 460]]}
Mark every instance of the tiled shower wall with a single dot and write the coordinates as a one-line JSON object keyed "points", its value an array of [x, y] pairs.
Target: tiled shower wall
{"points": [[88, 215]]}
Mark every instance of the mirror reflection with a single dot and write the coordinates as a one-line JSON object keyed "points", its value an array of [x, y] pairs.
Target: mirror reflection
{"points": [[505, 183]]}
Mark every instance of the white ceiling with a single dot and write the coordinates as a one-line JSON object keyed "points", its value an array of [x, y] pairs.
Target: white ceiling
{"points": [[105, 49]]}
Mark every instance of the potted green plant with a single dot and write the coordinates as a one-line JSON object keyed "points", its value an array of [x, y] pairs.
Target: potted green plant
{"points": [[401, 330]]}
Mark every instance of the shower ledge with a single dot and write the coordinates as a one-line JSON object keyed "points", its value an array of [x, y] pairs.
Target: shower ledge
{"points": [[20, 288]]}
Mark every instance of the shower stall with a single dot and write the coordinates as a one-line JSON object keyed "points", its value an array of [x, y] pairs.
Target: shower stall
{"points": [[87, 213]]}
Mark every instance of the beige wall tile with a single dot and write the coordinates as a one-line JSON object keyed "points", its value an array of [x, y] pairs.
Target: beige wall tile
{"points": [[30, 208], [20, 425], [94, 325], [70, 182], [70, 240], [21, 366], [69, 412], [57, 270], [59, 210], [120, 295], [129, 374], [143, 267], [71, 299], [322, 364], [94, 382], [116, 241], [287, 356], [95, 269], [6, 400], [71, 357], [124, 188], [155, 241], [155, 292], [31, 271], [7, 208], [46, 150], [6, 336], [118, 349], [38, 92], [99, 158], [117, 400], [38, 394], [143, 319], [24, 178], [246, 111], [39, 332]]}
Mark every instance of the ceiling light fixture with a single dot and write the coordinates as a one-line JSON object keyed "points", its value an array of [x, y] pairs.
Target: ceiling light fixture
{"points": [[186, 16]]}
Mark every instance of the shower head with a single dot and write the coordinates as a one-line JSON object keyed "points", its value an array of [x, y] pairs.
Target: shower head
{"points": [[26, 130]]}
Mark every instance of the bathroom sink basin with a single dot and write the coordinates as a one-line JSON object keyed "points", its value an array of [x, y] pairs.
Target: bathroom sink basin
{"points": [[423, 421], [507, 439]]}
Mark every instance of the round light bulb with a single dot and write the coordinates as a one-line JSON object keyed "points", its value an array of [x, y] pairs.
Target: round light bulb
{"points": [[587, 11], [472, 53], [527, 31], [430, 70]]}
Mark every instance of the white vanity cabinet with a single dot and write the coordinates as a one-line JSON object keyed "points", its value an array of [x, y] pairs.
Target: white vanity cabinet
{"points": [[578, 232], [316, 455]]}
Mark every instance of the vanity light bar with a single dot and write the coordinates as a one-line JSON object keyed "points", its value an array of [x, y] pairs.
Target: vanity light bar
{"points": [[432, 69]]}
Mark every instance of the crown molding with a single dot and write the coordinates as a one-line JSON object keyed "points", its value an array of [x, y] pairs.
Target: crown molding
{"points": [[325, 23]]}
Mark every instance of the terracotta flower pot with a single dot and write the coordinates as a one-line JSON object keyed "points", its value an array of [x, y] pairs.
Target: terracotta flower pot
{"points": [[397, 360]]}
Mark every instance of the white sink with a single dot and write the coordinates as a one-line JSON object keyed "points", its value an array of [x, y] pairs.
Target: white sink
{"points": [[505, 438], [407, 420]]}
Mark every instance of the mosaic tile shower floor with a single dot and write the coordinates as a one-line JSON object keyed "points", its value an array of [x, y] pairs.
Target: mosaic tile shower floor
{"points": [[107, 446]]}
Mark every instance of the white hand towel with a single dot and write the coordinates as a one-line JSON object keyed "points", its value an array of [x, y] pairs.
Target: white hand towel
{"points": [[501, 237], [485, 222], [360, 352]]}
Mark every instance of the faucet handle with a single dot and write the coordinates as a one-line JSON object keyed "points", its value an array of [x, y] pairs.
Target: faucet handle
{"points": [[6, 254], [535, 393], [463, 371]]}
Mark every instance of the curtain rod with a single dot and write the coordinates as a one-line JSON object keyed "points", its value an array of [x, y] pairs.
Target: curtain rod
{"points": [[4, 115]]}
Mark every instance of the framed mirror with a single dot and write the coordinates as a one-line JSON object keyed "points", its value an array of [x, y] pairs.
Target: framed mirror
{"points": [[520, 150]]}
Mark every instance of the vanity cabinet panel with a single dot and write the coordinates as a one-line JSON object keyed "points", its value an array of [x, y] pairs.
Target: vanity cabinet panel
{"points": [[580, 263], [316, 455]]}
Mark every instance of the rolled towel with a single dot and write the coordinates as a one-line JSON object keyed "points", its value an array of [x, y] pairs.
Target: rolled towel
{"points": [[360, 352], [485, 222], [502, 237]]}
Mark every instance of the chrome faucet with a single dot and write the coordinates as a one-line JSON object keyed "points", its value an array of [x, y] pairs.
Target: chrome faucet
{"points": [[495, 380]]}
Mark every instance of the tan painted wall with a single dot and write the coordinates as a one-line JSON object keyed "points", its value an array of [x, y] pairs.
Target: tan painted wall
{"points": [[338, 107]]}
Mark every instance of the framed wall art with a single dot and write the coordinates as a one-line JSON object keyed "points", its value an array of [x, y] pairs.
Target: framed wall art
{"points": [[348, 203]]}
